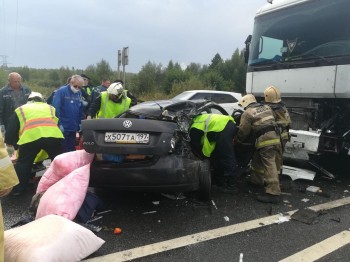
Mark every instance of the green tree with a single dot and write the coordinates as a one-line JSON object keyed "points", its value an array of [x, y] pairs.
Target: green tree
{"points": [[213, 80], [174, 74], [215, 62], [103, 69], [194, 68], [149, 78]]}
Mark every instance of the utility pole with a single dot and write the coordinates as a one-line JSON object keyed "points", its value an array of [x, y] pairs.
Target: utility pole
{"points": [[125, 60], [4, 61], [119, 62]]}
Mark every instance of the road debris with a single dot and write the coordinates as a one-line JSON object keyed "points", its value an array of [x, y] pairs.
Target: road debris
{"points": [[324, 171], [305, 200], [323, 194], [298, 173], [94, 219], [313, 189], [103, 212], [306, 216], [282, 219], [155, 202], [176, 196], [336, 219], [117, 231], [212, 201], [227, 219], [149, 212]]}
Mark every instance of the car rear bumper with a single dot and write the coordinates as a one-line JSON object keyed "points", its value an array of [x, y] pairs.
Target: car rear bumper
{"points": [[164, 174]]}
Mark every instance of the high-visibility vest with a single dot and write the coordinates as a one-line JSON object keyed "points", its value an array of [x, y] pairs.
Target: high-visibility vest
{"points": [[37, 120], [8, 176], [109, 109], [210, 123]]}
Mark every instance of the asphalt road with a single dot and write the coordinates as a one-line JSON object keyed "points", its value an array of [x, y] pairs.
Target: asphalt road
{"points": [[147, 218]]}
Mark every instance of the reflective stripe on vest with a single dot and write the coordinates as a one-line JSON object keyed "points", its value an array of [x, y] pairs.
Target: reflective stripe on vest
{"points": [[33, 123], [258, 170], [210, 123], [270, 142], [37, 120]]}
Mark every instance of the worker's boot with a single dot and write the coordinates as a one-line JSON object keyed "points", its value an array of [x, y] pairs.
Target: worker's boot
{"points": [[268, 198], [230, 185], [233, 185]]}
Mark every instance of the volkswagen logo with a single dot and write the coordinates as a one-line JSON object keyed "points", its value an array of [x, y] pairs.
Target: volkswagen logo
{"points": [[127, 123]]}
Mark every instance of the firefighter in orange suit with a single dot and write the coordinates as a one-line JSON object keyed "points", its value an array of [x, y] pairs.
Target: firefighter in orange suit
{"points": [[258, 120], [33, 127]]}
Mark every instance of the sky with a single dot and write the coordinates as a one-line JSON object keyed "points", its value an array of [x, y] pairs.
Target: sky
{"points": [[79, 33]]}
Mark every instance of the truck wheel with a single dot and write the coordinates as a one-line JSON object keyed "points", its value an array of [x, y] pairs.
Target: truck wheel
{"points": [[204, 175]]}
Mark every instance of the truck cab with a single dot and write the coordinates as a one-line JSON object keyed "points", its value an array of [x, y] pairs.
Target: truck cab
{"points": [[303, 48]]}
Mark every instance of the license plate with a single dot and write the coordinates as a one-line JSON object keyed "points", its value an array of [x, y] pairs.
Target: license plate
{"points": [[127, 138]]}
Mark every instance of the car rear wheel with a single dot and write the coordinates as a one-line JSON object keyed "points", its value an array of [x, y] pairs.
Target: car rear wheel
{"points": [[204, 175]]}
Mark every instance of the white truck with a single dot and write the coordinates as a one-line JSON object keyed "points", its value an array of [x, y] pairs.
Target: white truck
{"points": [[303, 48]]}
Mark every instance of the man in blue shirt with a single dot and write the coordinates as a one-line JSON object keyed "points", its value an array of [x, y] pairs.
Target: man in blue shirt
{"points": [[69, 110]]}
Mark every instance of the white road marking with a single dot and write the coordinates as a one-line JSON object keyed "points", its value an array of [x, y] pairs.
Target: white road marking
{"points": [[321, 249], [155, 248]]}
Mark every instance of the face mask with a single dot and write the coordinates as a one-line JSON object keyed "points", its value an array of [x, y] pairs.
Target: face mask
{"points": [[74, 90]]}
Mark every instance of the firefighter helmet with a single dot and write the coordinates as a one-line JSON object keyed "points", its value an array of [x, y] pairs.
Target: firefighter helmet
{"points": [[247, 100], [272, 94], [115, 89]]}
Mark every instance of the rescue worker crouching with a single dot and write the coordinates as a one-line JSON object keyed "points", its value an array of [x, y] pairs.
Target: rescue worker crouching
{"points": [[33, 127], [110, 103], [258, 120], [212, 137], [273, 99]]}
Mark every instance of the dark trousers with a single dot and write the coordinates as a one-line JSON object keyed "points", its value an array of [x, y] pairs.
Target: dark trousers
{"points": [[27, 153], [68, 144], [223, 158]]}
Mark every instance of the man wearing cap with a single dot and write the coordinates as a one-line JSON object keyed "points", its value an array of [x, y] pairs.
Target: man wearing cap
{"points": [[12, 96], [86, 92], [32, 128], [110, 103]]}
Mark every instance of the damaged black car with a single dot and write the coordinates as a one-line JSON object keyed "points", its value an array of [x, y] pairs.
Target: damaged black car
{"points": [[147, 148]]}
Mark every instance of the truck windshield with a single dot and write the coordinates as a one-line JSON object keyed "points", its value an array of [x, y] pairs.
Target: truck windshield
{"points": [[302, 32]]}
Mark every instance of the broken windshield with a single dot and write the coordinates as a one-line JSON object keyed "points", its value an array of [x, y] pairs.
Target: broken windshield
{"points": [[309, 30]]}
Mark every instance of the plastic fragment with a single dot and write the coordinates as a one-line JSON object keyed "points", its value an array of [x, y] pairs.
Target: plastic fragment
{"points": [[313, 189], [149, 212]]}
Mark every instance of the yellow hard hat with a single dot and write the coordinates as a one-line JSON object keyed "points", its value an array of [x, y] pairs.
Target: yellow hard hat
{"points": [[272, 94], [247, 100]]}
